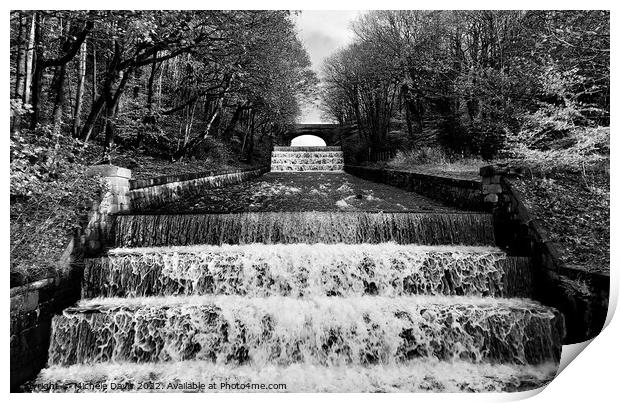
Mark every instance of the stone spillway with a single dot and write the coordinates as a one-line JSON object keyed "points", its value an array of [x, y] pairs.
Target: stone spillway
{"points": [[305, 301], [304, 159], [131, 230], [316, 330], [303, 270]]}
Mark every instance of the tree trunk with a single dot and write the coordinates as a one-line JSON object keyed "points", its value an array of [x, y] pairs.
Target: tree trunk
{"points": [[59, 85], [196, 141], [59, 103], [409, 122], [159, 82], [112, 107], [95, 111], [80, 91], [29, 59], [19, 62], [37, 79], [249, 141], [37, 76], [149, 95], [227, 135], [18, 92], [69, 49], [94, 72]]}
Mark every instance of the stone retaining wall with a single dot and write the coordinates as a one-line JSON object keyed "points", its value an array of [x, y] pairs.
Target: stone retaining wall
{"points": [[461, 193], [154, 192], [32, 309], [581, 295]]}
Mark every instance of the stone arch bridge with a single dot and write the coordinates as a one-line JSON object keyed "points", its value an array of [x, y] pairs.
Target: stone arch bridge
{"points": [[332, 134]]}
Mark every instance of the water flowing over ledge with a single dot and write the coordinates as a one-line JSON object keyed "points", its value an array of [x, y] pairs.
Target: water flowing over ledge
{"points": [[320, 331], [304, 159], [307, 148], [303, 227], [419, 375], [299, 270]]}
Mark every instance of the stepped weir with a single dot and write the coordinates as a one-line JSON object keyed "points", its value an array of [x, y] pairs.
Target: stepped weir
{"points": [[297, 159], [311, 301]]}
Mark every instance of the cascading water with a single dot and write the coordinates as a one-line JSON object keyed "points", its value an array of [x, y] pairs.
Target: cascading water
{"points": [[318, 330], [300, 270], [303, 227], [316, 301], [298, 159], [415, 376]]}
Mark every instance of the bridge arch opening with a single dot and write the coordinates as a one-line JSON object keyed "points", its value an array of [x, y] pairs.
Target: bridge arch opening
{"points": [[308, 140]]}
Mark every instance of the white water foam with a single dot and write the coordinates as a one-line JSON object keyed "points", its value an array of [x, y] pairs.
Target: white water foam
{"points": [[416, 376]]}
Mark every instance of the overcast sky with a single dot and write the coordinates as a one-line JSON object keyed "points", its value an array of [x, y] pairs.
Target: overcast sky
{"points": [[323, 32]]}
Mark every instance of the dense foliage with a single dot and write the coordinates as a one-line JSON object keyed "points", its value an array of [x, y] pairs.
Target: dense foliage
{"points": [[162, 80], [154, 91], [532, 83], [50, 199]]}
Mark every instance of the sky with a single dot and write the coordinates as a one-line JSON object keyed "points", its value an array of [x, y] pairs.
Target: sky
{"points": [[322, 33]]}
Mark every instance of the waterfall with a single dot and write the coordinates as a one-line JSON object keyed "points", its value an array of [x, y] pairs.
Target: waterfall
{"points": [[278, 149], [303, 227], [304, 159], [421, 375], [320, 330], [300, 270], [334, 301]]}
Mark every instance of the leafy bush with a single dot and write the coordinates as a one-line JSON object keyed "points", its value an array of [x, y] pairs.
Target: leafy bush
{"points": [[420, 156], [435, 161], [560, 138], [50, 199]]}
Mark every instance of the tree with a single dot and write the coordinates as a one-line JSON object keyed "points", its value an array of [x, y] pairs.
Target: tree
{"points": [[466, 79], [69, 48], [222, 75]]}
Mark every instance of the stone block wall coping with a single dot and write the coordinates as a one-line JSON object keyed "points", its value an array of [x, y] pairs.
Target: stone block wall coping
{"points": [[36, 285], [460, 182], [501, 170], [463, 193], [108, 171], [165, 179]]}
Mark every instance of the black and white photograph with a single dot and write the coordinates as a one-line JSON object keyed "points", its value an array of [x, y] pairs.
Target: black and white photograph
{"points": [[316, 201]]}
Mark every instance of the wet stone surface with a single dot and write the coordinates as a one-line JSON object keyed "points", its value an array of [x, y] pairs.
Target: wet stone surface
{"points": [[306, 191]]}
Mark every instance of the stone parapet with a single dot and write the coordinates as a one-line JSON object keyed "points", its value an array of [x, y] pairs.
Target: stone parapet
{"points": [[32, 308], [461, 193], [155, 192]]}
